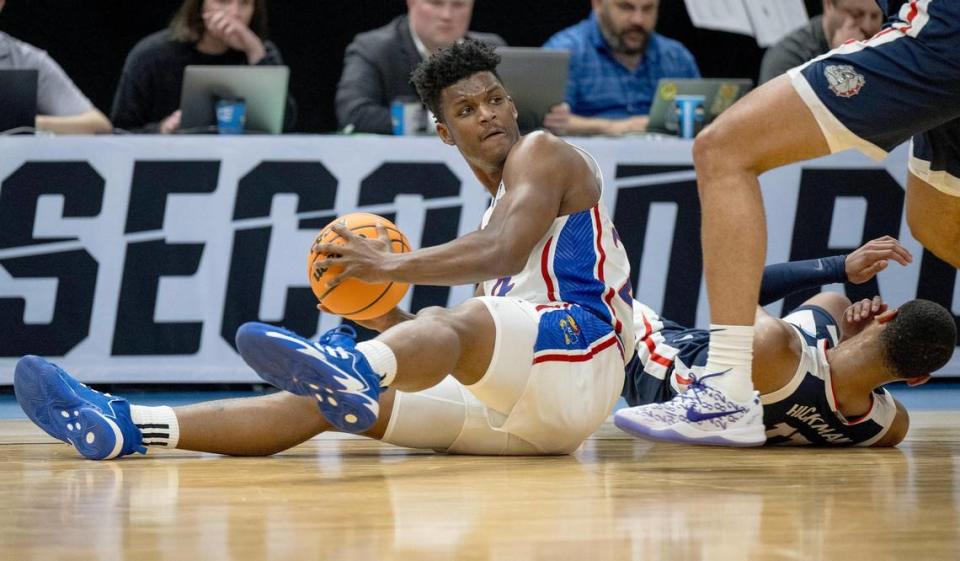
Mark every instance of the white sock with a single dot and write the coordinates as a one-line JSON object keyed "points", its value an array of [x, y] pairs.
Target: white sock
{"points": [[158, 425], [731, 348], [381, 359]]}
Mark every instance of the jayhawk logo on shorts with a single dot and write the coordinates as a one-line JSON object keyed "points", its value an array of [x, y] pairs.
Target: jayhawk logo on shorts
{"points": [[844, 80], [571, 331]]}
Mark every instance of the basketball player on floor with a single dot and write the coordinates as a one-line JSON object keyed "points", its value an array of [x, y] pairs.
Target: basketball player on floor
{"points": [[537, 362], [871, 95], [820, 370], [434, 418]]}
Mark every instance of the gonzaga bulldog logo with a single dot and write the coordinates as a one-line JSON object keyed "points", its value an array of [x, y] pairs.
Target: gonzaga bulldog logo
{"points": [[844, 80]]}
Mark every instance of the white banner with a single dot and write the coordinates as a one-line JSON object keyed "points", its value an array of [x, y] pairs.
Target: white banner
{"points": [[134, 259], [767, 20]]}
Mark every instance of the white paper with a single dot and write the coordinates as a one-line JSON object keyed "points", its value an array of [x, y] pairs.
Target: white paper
{"points": [[773, 19], [722, 15]]}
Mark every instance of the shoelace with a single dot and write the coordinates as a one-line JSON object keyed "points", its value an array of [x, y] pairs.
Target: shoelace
{"points": [[698, 380]]}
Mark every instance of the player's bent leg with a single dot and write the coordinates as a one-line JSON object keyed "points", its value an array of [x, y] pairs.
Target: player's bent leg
{"points": [[338, 373], [98, 425], [448, 418], [770, 127], [441, 341], [330, 370], [933, 215]]}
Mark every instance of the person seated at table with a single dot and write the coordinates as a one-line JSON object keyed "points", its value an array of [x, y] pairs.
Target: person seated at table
{"points": [[378, 63], [208, 32], [61, 106], [841, 21], [616, 60]]}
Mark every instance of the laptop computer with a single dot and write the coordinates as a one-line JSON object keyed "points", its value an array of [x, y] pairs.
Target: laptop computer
{"points": [[536, 80], [263, 88], [718, 94], [18, 98]]}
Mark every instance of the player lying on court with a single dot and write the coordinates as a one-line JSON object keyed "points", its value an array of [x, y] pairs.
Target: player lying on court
{"points": [[871, 95], [536, 363], [434, 418], [819, 370]]}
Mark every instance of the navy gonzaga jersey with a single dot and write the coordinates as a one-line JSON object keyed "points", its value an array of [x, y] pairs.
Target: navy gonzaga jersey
{"points": [[803, 412], [891, 8]]}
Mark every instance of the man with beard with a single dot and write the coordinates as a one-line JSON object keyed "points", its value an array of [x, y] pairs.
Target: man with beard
{"points": [[616, 60]]}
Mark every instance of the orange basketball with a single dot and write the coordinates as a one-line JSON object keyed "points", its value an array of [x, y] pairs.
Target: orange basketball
{"points": [[355, 299]]}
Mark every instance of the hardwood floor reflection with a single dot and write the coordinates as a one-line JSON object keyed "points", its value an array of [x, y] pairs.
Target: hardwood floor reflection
{"points": [[617, 498]]}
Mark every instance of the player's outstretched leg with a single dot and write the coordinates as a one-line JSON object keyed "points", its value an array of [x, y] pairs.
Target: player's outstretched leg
{"points": [[331, 370], [98, 425], [700, 415]]}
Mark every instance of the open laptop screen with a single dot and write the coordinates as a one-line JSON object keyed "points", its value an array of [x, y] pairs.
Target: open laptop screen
{"points": [[718, 94], [263, 89], [536, 79], [18, 99]]}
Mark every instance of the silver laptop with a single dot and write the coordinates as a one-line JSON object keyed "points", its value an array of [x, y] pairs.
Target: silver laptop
{"points": [[536, 80], [263, 88], [719, 94], [18, 100]]}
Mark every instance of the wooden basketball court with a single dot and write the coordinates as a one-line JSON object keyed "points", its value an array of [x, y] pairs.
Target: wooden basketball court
{"points": [[345, 498]]}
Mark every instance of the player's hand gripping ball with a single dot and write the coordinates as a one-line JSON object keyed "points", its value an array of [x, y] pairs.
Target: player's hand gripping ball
{"points": [[353, 298]]}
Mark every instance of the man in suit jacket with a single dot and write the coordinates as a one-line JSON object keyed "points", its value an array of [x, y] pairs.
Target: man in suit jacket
{"points": [[378, 63]]}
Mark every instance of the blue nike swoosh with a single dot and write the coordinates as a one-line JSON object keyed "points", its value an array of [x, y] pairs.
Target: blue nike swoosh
{"points": [[695, 416]]}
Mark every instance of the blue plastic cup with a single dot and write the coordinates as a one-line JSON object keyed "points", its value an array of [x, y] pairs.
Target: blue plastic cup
{"points": [[407, 117], [690, 113], [231, 115], [397, 117]]}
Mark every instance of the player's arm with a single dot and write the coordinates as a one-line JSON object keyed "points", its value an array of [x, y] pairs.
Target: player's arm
{"points": [[858, 267], [898, 428], [91, 121], [536, 175], [562, 121]]}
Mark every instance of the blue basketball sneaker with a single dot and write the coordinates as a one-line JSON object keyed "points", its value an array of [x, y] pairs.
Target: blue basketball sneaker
{"points": [[331, 370], [98, 425], [700, 415]]}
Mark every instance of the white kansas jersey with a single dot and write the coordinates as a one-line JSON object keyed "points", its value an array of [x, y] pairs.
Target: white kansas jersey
{"points": [[581, 261]]}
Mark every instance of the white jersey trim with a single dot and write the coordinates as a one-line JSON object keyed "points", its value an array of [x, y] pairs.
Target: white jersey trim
{"points": [[837, 135], [941, 180]]}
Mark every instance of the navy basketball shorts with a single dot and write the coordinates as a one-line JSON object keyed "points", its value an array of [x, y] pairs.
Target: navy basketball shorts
{"points": [[904, 82]]}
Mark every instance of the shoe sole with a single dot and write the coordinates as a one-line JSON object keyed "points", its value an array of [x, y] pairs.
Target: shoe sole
{"points": [[290, 370], [50, 403], [744, 437]]}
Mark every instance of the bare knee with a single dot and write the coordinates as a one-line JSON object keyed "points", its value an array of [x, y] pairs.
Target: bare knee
{"points": [[469, 332], [710, 149], [717, 154], [459, 318]]}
